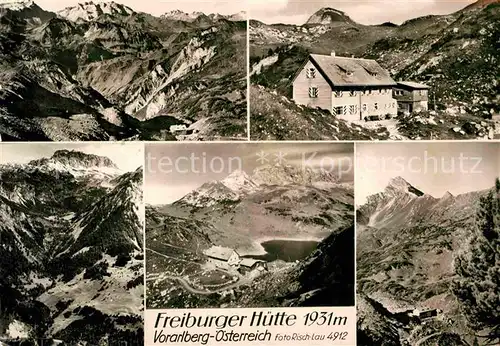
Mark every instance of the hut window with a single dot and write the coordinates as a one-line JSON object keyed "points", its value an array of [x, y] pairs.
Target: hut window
{"points": [[313, 92], [311, 72]]}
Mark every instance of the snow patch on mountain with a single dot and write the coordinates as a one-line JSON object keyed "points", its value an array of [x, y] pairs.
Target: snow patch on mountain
{"points": [[209, 194], [191, 17], [268, 61], [105, 173], [16, 5], [286, 175], [89, 11], [182, 16], [17, 330], [240, 16], [239, 184], [239, 181]]}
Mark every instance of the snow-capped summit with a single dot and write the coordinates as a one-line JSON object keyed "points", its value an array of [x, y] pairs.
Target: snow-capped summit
{"points": [[235, 17], [26, 10], [327, 16], [286, 175], [182, 16], [231, 188], [17, 5], [88, 11], [239, 181], [240, 16], [190, 17], [209, 194], [399, 185]]}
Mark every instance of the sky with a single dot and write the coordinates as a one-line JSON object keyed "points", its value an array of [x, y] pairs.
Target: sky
{"points": [[128, 156], [173, 170], [433, 168], [361, 11], [158, 7]]}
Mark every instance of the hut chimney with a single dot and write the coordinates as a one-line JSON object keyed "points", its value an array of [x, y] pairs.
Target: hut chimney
{"points": [[332, 53]]}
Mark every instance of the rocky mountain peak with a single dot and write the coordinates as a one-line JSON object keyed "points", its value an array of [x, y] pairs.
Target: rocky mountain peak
{"points": [[91, 160], [74, 158], [182, 16], [25, 10], [196, 15], [88, 11], [134, 178], [239, 181], [328, 15], [399, 185], [209, 194], [17, 5], [285, 175], [447, 195], [242, 15]]}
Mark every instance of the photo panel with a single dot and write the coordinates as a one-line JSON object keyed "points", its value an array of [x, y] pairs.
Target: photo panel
{"points": [[71, 244], [351, 70], [255, 231], [124, 70], [427, 243]]}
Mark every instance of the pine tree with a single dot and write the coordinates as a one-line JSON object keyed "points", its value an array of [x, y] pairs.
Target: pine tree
{"points": [[478, 284]]}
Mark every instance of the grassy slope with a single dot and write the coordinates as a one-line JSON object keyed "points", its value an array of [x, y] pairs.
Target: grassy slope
{"points": [[275, 117], [464, 80]]}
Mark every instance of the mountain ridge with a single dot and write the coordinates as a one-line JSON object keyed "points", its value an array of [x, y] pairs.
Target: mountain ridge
{"points": [[406, 246], [74, 157], [239, 184], [64, 254], [190, 17], [111, 73], [451, 53], [88, 11]]}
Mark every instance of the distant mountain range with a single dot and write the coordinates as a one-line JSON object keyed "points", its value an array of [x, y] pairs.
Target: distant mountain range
{"points": [[102, 71], [239, 184], [64, 262], [406, 244], [243, 210], [190, 17], [453, 54]]}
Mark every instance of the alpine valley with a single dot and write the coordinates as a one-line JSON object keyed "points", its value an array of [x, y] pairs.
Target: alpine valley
{"points": [[456, 55], [294, 226], [102, 71], [407, 245], [71, 254]]}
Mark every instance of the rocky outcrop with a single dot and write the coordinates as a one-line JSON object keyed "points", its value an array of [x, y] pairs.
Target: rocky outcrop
{"points": [[328, 16]]}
